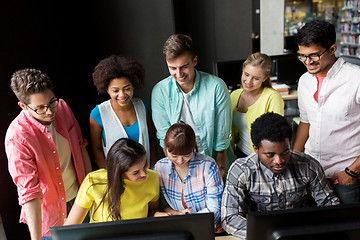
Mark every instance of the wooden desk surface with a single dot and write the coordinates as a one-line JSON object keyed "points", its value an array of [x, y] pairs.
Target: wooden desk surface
{"points": [[228, 237], [291, 96]]}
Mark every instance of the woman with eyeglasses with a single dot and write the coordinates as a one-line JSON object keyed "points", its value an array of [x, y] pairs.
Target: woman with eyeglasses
{"points": [[122, 116], [254, 98]]}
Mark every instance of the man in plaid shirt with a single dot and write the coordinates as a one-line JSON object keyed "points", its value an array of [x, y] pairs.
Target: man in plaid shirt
{"points": [[272, 178]]}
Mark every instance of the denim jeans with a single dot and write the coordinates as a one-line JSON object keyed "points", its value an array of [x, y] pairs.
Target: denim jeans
{"points": [[46, 238], [348, 193]]}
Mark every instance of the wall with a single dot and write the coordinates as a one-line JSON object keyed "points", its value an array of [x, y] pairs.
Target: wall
{"points": [[272, 26]]}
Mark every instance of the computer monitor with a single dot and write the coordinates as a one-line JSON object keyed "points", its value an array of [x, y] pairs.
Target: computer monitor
{"points": [[288, 69], [182, 227], [230, 72], [331, 223]]}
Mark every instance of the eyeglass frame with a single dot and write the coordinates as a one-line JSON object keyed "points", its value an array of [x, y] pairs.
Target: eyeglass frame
{"points": [[46, 106], [311, 55]]}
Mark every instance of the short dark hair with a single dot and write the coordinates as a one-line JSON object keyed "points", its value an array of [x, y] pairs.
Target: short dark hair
{"points": [[270, 126], [317, 32], [29, 81], [178, 44], [117, 66]]}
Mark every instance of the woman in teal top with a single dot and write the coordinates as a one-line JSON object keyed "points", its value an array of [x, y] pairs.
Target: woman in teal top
{"points": [[254, 98]]}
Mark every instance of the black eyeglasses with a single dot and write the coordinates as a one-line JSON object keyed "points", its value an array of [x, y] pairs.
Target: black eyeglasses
{"points": [[43, 109], [313, 57]]}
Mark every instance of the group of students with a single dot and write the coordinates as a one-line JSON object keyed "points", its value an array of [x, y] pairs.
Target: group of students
{"points": [[201, 128]]}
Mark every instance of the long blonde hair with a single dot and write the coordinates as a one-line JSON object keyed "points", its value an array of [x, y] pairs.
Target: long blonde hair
{"points": [[262, 60]]}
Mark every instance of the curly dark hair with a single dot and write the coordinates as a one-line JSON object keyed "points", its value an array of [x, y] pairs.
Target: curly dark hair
{"points": [[117, 66], [270, 126]]}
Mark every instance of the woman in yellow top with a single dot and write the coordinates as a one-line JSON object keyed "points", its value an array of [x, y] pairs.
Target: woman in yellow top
{"points": [[254, 98], [126, 189]]}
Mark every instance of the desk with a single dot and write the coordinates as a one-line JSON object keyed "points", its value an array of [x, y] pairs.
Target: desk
{"points": [[228, 237], [291, 96]]}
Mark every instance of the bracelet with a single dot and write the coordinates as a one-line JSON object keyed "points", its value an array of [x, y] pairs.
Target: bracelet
{"points": [[351, 173]]}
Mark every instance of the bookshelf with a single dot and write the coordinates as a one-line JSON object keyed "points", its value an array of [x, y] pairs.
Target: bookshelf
{"points": [[350, 29]]}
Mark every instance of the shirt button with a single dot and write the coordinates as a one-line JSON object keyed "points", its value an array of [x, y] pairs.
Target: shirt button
{"points": [[63, 214], [60, 183], [57, 168], [49, 137], [54, 151], [62, 198]]}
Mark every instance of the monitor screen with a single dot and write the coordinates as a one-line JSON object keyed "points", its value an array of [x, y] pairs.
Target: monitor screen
{"points": [[182, 227], [288, 69], [230, 72], [331, 223]]}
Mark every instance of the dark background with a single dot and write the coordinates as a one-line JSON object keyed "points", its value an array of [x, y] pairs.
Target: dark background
{"points": [[66, 39]]}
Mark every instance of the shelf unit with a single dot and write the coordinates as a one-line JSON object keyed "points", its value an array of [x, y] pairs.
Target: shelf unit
{"points": [[350, 29]]}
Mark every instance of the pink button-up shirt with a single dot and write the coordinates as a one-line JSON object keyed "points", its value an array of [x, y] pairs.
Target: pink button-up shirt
{"points": [[34, 162], [334, 134]]}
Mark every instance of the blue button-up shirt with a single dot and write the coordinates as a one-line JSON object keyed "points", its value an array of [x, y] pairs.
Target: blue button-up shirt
{"points": [[202, 186], [210, 107]]}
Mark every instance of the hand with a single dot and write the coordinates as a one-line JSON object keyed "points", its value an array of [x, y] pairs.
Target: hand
{"points": [[162, 214], [185, 211], [345, 179], [222, 172]]}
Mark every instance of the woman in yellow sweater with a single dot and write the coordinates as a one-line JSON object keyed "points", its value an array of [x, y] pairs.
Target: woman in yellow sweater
{"points": [[126, 189], [254, 98]]}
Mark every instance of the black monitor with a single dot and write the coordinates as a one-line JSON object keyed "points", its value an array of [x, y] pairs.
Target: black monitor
{"points": [[288, 69], [183, 227], [341, 222], [230, 72]]}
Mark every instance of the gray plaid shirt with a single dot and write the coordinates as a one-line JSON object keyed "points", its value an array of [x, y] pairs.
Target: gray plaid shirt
{"points": [[252, 186]]}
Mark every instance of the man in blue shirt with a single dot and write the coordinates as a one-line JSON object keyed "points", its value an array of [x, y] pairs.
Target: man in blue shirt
{"points": [[194, 97]]}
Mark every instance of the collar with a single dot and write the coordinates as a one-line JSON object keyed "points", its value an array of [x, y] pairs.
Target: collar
{"points": [[196, 84], [271, 174], [191, 171], [32, 121], [335, 68]]}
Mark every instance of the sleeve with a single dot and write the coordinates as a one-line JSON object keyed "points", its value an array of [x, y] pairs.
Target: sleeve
{"points": [[156, 184], [23, 170], [214, 190], [301, 104], [319, 187], [95, 114], [276, 103], [69, 116], [159, 115], [157, 169], [85, 195], [232, 210], [223, 119]]}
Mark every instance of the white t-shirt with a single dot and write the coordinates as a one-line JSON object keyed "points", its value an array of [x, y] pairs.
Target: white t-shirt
{"points": [[244, 141], [67, 167], [187, 118]]}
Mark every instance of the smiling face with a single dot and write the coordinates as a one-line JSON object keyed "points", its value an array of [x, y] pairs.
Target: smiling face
{"points": [[138, 171], [326, 61], [179, 161], [121, 91], [252, 78], [37, 101], [182, 69], [274, 155]]}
